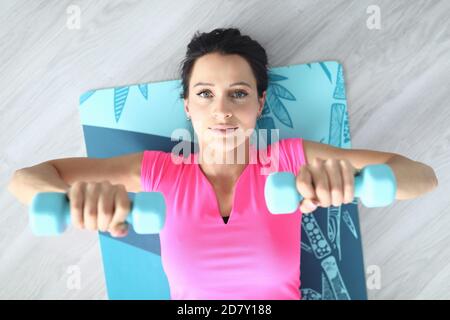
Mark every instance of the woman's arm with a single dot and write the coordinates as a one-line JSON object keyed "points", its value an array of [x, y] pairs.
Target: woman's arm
{"points": [[413, 178], [25, 183], [57, 175]]}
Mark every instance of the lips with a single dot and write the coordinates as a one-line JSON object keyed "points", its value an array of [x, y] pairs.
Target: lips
{"points": [[226, 130], [223, 127]]}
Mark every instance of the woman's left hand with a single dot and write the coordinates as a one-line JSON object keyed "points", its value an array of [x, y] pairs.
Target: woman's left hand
{"points": [[324, 183]]}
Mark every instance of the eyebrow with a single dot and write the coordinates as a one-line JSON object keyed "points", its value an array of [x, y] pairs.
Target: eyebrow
{"points": [[231, 85]]}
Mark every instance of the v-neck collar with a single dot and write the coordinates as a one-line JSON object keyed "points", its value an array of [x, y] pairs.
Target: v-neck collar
{"points": [[236, 192]]}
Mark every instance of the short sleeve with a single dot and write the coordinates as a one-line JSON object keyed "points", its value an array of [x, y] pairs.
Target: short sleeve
{"points": [[153, 166], [292, 154]]}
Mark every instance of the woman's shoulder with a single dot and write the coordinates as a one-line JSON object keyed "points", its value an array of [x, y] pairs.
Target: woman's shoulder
{"points": [[288, 153], [284, 143], [165, 160]]}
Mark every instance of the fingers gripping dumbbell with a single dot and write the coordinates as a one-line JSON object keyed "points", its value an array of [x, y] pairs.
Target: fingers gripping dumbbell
{"points": [[375, 185], [49, 213]]}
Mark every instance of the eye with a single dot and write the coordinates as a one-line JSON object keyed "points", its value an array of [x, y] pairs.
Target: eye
{"points": [[243, 92], [199, 94]]}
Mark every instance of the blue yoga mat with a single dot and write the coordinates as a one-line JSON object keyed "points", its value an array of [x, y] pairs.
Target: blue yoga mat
{"points": [[304, 100]]}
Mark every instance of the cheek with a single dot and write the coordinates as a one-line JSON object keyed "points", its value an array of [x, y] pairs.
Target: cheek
{"points": [[249, 122], [247, 114]]}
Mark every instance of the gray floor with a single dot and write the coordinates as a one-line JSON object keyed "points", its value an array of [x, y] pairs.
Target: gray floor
{"points": [[397, 82]]}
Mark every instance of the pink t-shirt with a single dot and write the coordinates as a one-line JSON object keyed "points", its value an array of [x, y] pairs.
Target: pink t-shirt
{"points": [[256, 255]]}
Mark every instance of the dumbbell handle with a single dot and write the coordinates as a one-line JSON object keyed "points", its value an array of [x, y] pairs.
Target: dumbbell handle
{"points": [[374, 185], [67, 214], [50, 213]]}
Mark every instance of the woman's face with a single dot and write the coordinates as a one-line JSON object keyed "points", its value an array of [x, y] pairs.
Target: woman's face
{"points": [[222, 91]]}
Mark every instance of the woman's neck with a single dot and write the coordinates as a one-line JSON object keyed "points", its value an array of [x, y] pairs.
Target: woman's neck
{"points": [[227, 165]]}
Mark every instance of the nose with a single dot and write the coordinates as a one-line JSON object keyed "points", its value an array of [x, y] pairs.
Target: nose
{"points": [[222, 111]]}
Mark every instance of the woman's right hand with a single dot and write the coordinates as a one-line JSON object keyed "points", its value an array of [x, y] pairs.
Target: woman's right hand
{"points": [[99, 206]]}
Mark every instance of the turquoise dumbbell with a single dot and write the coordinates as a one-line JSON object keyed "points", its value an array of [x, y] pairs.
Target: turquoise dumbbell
{"points": [[375, 185], [49, 213]]}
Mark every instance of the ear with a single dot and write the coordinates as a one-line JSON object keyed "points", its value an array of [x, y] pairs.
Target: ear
{"points": [[186, 108], [262, 101]]}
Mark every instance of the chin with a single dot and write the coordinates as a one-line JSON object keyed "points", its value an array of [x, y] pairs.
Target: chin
{"points": [[225, 145]]}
